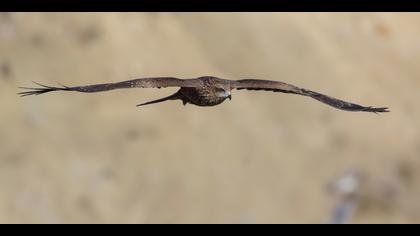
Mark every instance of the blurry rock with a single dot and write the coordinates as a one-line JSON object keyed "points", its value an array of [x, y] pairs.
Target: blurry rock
{"points": [[89, 35], [361, 192], [5, 70], [347, 189]]}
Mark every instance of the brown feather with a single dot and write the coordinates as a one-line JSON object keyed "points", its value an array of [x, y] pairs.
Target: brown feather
{"points": [[154, 82], [276, 86]]}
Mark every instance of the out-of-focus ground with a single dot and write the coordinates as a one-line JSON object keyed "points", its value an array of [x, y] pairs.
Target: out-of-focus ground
{"points": [[261, 158]]}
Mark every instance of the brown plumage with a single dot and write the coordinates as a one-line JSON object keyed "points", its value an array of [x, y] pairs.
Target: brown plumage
{"points": [[205, 91]]}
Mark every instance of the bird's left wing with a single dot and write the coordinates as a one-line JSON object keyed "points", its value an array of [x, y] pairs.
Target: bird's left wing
{"points": [[153, 82], [277, 86]]}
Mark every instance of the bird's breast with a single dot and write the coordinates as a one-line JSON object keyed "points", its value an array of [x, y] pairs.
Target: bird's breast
{"points": [[201, 96]]}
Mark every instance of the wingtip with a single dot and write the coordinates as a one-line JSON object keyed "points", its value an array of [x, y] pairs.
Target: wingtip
{"points": [[40, 90], [377, 109]]}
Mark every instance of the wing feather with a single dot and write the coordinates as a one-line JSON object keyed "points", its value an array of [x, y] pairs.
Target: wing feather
{"points": [[153, 82], [277, 86]]}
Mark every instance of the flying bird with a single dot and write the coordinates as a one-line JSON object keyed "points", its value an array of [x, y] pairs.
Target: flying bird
{"points": [[205, 91]]}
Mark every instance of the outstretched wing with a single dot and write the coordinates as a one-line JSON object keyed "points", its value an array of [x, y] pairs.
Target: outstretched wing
{"points": [[155, 82], [276, 86]]}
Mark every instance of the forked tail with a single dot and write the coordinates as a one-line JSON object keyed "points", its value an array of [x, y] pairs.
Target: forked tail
{"points": [[174, 96]]}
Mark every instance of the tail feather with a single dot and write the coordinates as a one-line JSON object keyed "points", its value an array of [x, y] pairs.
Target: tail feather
{"points": [[174, 96]]}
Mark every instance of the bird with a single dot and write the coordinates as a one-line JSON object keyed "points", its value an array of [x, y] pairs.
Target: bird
{"points": [[204, 91]]}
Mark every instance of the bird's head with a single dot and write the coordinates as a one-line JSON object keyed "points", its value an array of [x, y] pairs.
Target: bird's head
{"points": [[223, 93]]}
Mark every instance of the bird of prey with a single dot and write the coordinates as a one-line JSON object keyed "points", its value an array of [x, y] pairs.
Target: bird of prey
{"points": [[205, 90]]}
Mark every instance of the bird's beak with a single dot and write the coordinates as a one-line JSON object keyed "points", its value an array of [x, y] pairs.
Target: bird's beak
{"points": [[230, 97]]}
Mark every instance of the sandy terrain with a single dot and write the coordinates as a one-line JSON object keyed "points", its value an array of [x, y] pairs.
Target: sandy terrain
{"points": [[260, 158]]}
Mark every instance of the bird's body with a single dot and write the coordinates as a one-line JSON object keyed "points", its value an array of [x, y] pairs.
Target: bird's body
{"points": [[206, 91], [204, 97], [212, 92]]}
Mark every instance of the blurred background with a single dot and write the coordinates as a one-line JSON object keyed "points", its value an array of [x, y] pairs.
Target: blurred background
{"points": [[261, 158]]}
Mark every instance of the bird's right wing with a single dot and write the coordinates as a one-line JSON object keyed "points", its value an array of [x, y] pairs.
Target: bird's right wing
{"points": [[277, 86], [153, 82]]}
